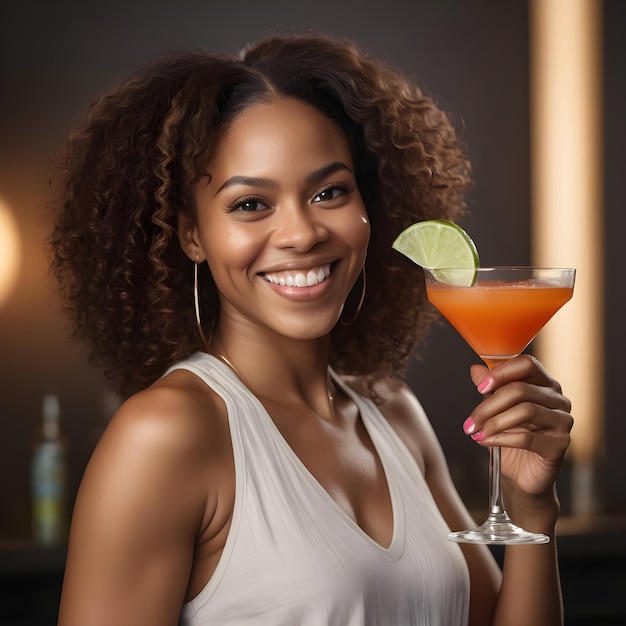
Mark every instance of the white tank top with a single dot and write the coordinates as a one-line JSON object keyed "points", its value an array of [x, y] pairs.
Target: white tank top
{"points": [[294, 558]]}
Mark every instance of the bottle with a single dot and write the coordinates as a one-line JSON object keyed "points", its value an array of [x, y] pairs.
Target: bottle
{"points": [[49, 476]]}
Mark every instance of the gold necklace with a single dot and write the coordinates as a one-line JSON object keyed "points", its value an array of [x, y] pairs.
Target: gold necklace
{"points": [[223, 358]]}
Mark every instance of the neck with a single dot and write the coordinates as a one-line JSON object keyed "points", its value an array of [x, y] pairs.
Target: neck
{"points": [[282, 372]]}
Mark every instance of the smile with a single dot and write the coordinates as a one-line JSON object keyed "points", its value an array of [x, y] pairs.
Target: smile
{"points": [[299, 278]]}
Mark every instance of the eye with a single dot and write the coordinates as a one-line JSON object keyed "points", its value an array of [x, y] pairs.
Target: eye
{"points": [[330, 193], [248, 205]]}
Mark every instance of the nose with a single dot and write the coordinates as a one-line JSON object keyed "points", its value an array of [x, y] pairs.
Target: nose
{"points": [[299, 227]]}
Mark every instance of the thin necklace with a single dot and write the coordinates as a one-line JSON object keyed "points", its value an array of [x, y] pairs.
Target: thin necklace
{"points": [[223, 358]]}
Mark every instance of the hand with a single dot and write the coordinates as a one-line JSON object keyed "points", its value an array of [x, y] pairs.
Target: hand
{"points": [[526, 414]]}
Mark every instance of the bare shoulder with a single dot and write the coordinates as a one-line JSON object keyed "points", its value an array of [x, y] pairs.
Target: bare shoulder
{"points": [[400, 407], [178, 411], [173, 433]]}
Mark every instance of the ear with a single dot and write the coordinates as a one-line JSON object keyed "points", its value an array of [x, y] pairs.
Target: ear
{"points": [[189, 239]]}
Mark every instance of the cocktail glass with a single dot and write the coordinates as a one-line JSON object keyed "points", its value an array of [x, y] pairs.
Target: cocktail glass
{"points": [[498, 311]]}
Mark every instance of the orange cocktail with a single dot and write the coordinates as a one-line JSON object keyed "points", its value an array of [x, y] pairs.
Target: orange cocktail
{"points": [[499, 320]]}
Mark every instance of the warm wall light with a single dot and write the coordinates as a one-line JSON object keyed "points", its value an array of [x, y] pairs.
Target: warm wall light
{"points": [[567, 209], [9, 252]]}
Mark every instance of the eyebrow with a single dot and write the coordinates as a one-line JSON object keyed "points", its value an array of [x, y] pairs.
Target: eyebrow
{"points": [[327, 170], [314, 177]]}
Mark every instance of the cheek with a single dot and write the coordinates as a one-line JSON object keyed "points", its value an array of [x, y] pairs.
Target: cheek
{"points": [[231, 249]]}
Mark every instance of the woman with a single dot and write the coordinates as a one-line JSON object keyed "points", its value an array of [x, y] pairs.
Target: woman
{"points": [[223, 241]]}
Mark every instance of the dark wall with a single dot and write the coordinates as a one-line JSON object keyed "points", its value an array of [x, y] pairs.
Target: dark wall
{"points": [[54, 57], [614, 465]]}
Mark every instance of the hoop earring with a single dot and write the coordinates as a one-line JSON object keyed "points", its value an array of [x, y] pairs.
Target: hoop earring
{"points": [[358, 308], [196, 304]]}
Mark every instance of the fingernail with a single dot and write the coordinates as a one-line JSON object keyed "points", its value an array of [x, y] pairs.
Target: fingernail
{"points": [[468, 426], [486, 385], [479, 436]]}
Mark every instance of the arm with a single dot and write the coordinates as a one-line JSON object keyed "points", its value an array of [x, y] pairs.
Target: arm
{"points": [[137, 515], [529, 417]]}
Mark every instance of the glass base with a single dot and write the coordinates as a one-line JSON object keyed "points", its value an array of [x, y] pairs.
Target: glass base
{"points": [[498, 530]]}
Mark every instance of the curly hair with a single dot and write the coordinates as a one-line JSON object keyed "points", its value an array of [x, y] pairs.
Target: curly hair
{"points": [[126, 173]]}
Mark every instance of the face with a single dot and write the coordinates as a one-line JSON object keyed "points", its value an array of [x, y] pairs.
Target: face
{"points": [[281, 222]]}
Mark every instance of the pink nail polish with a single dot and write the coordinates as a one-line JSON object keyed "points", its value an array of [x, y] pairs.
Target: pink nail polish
{"points": [[468, 426], [485, 385], [479, 436]]}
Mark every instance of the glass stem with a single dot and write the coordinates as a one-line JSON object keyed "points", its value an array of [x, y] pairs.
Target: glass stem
{"points": [[496, 505]]}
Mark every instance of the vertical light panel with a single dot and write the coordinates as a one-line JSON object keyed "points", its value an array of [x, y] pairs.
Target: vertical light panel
{"points": [[567, 209], [9, 252]]}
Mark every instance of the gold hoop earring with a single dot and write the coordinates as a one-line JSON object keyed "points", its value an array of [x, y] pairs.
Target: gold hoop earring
{"points": [[196, 304], [358, 308]]}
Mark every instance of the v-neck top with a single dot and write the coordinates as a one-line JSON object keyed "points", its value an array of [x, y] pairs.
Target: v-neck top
{"points": [[293, 557]]}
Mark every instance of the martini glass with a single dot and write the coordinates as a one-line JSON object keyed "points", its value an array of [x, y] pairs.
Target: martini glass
{"points": [[498, 311]]}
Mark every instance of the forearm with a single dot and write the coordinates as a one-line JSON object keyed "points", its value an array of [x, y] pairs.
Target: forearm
{"points": [[530, 594]]}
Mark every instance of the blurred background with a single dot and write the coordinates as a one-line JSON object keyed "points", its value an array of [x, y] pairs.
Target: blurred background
{"points": [[480, 59]]}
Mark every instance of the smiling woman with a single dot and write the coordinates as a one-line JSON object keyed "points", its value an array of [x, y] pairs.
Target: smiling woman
{"points": [[216, 218]]}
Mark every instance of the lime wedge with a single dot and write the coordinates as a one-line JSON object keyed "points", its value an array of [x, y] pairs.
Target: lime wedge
{"points": [[440, 245]]}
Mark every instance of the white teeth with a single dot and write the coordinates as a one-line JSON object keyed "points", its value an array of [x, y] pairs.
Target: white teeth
{"points": [[300, 279]]}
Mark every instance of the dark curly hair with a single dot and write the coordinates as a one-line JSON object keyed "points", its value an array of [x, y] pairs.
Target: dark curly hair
{"points": [[124, 175]]}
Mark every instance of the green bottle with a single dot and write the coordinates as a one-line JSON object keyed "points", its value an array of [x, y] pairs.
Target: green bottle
{"points": [[49, 479]]}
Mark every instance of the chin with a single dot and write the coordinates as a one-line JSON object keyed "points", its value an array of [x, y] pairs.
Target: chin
{"points": [[309, 332]]}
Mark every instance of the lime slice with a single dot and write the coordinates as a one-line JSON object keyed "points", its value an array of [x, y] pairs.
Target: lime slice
{"points": [[440, 245]]}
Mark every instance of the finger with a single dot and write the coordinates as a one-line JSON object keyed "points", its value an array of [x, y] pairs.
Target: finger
{"points": [[528, 416], [517, 393], [524, 367], [478, 373], [550, 446]]}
